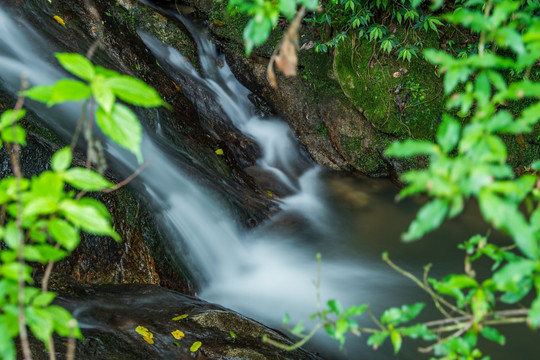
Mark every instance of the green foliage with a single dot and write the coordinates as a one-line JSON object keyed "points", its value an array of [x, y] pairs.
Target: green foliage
{"points": [[469, 160], [264, 16], [41, 220], [372, 20]]}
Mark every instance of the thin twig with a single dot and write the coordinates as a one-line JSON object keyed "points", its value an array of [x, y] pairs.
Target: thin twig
{"points": [[14, 153], [70, 355], [129, 178], [47, 274], [52, 351], [296, 345], [423, 287]]}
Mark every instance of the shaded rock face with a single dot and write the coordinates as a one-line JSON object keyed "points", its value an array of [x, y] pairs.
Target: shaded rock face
{"points": [[98, 259], [194, 136], [109, 314]]}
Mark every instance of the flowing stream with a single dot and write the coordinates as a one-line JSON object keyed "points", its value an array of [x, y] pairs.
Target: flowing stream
{"points": [[269, 270]]}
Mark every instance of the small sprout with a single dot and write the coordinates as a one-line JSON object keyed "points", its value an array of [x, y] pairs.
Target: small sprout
{"points": [[219, 151], [177, 344], [59, 20], [233, 335], [180, 317], [196, 345], [177, 334]]}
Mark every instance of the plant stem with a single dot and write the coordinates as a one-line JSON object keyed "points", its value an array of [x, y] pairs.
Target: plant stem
{"points": [[294, 346], [14, 153]]}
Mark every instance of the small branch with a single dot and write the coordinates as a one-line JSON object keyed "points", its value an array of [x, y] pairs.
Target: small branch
{"points": [[375, 320], [459, 332], [129, 178], [47, 274], [52, 351], [70, 355], [426, 288], [14, 153], [294, 346]]}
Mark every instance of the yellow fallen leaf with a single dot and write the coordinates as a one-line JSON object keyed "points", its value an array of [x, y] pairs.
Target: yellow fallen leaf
{"points": [[219, 22], [180, 317], [145, 333], [269, 193], [59, 20], [196, 345], [177, 334], [148, 339], [219, 151]]}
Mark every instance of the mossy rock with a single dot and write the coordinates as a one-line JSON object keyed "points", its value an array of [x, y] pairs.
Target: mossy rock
{"points": [[404, 99]]}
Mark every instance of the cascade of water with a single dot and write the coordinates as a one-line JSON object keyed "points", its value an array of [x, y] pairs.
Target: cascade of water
{"points": [[264, 272], [188, 212]]}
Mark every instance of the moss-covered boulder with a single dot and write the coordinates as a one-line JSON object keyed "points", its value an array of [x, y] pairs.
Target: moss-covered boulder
{"points": [[398, 97]]}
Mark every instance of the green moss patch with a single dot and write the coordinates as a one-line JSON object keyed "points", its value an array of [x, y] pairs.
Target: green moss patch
{"points": [[399, 98]]}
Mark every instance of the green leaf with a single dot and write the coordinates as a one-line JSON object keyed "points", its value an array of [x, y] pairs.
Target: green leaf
{"points": [[102, 93], [493, 335], [88, 217], [77, 64], [61, 159], [43, 299], [355, 310], [40, 206], [64, 324], [123, 127], [40, 323], [418, 331], [11, 271], [286, 318], [428, 218], [133, 91], [11, 116], [410, 148], [534, 314], [41, 93], [335, 306], [510, 275], [12, 235], [7, 347], [448, 133], [196, 345], [396, 339], [287, 8], [68, 90], [86, 179], [43, 253], [377, 339], [14, 134], [298, 329], [310, 4], [256, 32]]}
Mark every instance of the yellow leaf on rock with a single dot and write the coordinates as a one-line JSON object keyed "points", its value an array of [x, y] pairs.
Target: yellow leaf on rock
{"points": [[196, 345], [177, 334], [180, 317], [59, 20], [219, 151], [145, 333], [219, 22], [269, 193]]}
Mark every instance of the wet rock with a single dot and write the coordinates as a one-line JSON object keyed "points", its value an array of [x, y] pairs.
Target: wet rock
{"points": [[109, 315]]}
